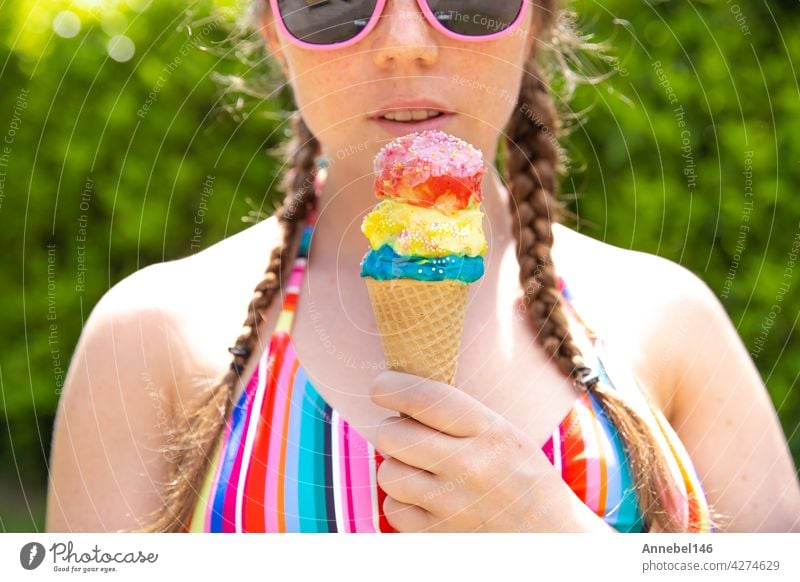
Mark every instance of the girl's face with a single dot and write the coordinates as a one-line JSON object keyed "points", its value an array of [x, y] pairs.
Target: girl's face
{"points": [[340, 91]]}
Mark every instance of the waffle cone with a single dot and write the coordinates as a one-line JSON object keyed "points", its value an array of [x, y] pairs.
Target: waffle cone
{"points": [[420, 324]]}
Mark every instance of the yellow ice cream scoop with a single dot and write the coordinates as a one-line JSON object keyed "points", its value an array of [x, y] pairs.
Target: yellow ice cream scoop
{"points": [[424, 232]]}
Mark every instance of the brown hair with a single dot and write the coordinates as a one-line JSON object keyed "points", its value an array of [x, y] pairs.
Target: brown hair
{"points": [[532, 160]]}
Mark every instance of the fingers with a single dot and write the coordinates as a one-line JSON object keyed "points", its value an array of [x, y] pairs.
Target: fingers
{"points": [[408, 440], [405, 517], [406, 483], [435, 404]]}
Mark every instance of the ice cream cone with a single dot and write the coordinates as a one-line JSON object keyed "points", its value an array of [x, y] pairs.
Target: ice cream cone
{"points": [[426, 246], [420, 324]]}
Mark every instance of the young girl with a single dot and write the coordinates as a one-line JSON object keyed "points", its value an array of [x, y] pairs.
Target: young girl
{"points": [[598, 389]]}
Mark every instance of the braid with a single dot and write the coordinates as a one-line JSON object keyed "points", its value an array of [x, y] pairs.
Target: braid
{"points": [[205, 420], [532, 162], [531, 166]]}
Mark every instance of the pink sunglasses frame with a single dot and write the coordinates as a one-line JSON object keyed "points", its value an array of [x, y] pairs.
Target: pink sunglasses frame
{"points": [[373, 21]]}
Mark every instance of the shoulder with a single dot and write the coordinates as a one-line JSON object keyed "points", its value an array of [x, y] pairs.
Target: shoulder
{"points": [[648, 307], [150, 344], [685, 348], [186, 312]]}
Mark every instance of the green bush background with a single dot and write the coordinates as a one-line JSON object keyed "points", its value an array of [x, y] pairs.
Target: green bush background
{"points": [[71, 114]]}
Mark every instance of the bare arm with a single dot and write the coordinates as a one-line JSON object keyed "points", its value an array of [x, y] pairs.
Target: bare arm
{"points": [[106, 468], [724, 416]]}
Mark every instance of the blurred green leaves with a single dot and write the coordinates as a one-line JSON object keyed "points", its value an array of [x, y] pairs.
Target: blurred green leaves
{"points": [[107, 164], [729, 68]]}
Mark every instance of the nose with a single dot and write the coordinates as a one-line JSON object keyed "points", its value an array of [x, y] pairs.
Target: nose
{"points": [[403, 36]]}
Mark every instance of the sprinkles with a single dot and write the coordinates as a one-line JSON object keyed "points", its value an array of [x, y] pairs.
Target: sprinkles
{"points": [[428, 224], [412, 230], [415, 160]]}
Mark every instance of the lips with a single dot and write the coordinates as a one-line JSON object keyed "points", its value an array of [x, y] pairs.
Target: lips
{"points": [[400, 128], [411, 115], [411, 103], [402, 116]]}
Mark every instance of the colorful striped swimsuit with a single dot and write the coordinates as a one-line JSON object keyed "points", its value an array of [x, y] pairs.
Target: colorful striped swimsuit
{"points": [[288, 462]]}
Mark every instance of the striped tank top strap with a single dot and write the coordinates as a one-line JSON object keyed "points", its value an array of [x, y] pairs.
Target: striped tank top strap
{"points": [[694, 511], [221, 502], [587, 448], [591, 356], [292, 290], [284, 323], [566, 292]]}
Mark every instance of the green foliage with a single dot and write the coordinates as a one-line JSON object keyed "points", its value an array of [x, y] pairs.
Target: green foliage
{"points": [[719, 198], [106, 171]]}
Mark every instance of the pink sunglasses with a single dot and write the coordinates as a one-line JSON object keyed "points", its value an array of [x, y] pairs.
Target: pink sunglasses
{"points": [[332, 24]]}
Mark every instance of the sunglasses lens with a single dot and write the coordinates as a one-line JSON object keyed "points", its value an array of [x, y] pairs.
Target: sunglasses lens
{"points": [[476, 17], [326, 21]]}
